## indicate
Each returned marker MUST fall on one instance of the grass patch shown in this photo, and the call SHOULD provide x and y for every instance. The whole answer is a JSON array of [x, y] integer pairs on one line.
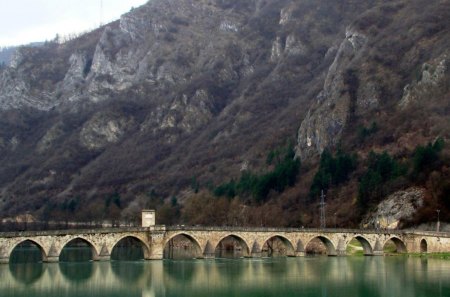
[[442, 256], [354, 248]]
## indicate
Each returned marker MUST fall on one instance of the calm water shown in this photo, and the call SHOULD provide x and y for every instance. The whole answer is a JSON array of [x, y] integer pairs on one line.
[[308, 277]]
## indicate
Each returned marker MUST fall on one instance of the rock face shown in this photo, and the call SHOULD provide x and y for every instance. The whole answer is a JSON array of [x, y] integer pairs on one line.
[[183, 89], [325, 122], [434, 79], [102, 130], [398, 206]]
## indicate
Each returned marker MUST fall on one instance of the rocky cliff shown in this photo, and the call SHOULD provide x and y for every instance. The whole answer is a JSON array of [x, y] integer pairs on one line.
[[177, 91]]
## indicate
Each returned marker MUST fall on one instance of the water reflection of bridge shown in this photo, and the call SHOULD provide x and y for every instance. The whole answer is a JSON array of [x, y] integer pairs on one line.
[[156, 277], [253, 242]]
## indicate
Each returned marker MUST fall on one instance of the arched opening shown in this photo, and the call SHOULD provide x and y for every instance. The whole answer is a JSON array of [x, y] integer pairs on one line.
[[129, 249], [359, 246], [423, 246], [27, 252], [394, 246], [278, 246], [232, 247], [26, 262], [182, 246], [78, 250], [320, 246]]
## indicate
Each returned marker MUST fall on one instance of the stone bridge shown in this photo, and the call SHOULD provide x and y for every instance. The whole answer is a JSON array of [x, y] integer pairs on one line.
[[206, 240]]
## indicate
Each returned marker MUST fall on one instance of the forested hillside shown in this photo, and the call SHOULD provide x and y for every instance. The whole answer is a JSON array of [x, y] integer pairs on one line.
[[233, 112]]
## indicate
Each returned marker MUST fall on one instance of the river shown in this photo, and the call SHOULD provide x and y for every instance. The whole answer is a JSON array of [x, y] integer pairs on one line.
[[320, 276]]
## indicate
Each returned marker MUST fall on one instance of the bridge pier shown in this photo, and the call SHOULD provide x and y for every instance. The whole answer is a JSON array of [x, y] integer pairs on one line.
[[102, 258], [51, 259], [154, 256], [4, 260], [104, 255], [209, 256], [256, 255], [340, 253], [300, 254]]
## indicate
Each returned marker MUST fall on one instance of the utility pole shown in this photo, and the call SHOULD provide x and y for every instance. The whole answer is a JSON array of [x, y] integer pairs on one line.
[[322, 211]]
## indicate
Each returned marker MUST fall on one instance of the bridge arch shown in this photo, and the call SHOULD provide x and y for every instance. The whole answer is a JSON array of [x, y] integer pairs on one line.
[[329, 245], [399, 244], [80, 239], [143, 244], [169, 245], [242, 242], [28, 241], [269, 243], [423, 246], [367, 247]]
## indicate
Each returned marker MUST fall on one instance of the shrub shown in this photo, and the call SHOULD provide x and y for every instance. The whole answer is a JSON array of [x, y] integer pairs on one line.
[[364, 132], [381, 169], [282, 176], [332, 171], [425, 158]]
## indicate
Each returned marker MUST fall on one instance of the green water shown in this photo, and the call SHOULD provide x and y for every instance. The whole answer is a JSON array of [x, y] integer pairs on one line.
[[309, 277]]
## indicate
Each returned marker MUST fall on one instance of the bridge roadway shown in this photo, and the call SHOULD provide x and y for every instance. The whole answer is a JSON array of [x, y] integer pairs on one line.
[[207, 239]]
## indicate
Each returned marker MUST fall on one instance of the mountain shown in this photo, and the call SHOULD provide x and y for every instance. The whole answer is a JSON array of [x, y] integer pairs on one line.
[[176, 98], [6, 54]]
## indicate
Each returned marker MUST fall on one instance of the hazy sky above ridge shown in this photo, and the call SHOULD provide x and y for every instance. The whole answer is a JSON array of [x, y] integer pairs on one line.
[[26, 21]]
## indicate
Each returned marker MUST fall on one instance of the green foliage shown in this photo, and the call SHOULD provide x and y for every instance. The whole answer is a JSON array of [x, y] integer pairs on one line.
[[426, 157], [364, 132], [282, 176], [195, 185], [227, 189], [70, 205], [113, 199], [381, 168], [332, 171]]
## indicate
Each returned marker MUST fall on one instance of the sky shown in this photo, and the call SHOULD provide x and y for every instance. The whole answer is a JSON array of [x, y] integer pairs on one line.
[[26, 21]]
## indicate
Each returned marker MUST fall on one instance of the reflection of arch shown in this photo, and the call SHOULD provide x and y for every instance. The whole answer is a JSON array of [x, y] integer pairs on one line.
[[177, 250], [224, 245], [423, 246], [288, 249], [174, 271], [27, 273], [77, 272], [128, 272], [134, 248], [367, 247], [399, 244], [82, 255], [331, 250], [41, 256]]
